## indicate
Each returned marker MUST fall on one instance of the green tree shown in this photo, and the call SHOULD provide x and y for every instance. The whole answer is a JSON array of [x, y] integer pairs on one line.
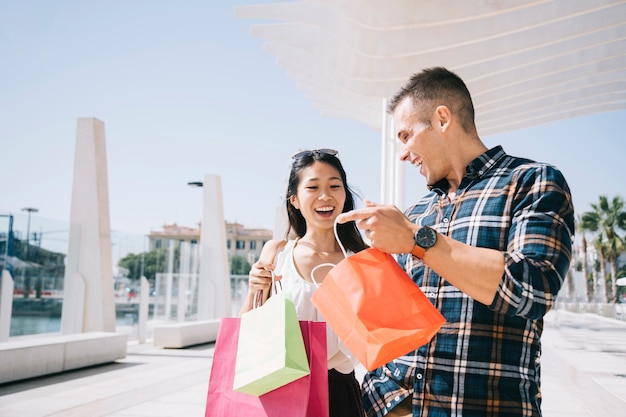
[[607, 218], [132, 263], [150, 263], [155, 261], [239, 265]]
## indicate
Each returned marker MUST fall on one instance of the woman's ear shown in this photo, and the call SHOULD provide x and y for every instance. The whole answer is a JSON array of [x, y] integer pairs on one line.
[[294, 202]]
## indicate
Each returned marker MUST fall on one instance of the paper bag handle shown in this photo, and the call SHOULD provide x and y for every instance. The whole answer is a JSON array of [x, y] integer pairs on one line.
[[345, 254], [258, 297], [315, 269]]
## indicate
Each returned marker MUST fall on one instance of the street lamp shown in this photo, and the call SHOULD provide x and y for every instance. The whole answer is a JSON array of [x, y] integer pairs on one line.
[[29, 210], [196, 184]]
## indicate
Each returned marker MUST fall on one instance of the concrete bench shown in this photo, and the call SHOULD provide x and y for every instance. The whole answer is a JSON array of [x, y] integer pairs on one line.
[[189, 333], [32, 357]]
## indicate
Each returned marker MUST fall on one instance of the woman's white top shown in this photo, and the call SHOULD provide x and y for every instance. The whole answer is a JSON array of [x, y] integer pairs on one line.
[[339, 357]]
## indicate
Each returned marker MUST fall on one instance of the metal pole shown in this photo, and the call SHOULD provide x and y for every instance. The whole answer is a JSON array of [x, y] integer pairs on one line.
[[29, 210]]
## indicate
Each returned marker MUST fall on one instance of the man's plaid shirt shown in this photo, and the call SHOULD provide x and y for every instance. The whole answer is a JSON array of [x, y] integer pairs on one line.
[[485, 361]]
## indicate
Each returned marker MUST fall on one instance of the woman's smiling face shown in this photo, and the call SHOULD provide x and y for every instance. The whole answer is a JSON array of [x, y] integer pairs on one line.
[[321, 195]]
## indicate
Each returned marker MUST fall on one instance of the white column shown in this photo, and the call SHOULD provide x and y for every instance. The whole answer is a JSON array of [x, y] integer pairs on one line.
[[193, 277], [183, 282], [89, 251], [384, 157], [392, 173], [169, 279], [281, 223], [144, 303], [6, 305], [214, 299], [398, 192]]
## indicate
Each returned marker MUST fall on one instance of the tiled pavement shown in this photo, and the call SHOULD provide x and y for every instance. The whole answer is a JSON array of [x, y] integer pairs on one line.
[[583, 365]]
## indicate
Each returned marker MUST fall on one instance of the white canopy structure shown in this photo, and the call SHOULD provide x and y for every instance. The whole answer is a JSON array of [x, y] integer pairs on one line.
[[526, 62]]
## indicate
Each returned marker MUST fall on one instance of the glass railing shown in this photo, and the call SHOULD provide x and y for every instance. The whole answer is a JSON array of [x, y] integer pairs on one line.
[[33, 249]]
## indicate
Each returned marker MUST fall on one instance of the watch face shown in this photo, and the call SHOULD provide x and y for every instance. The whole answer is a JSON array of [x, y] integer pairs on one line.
[[426, 237]]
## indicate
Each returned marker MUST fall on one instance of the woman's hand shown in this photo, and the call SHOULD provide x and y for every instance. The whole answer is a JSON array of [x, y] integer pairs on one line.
[[260, 277]]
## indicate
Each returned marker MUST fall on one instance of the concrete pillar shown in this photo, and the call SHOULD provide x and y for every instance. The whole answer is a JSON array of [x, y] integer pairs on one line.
[[169, 279], [88, 303], [183, 278], [392, 172], [281, 223], [384, 157], [214, 299], [144, 304], [6, 305]]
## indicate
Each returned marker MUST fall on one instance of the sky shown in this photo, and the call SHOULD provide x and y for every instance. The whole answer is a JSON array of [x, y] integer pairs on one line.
[[185, 90]]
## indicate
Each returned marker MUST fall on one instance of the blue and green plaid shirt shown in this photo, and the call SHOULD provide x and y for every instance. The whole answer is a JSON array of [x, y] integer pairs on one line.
[[485, 361]]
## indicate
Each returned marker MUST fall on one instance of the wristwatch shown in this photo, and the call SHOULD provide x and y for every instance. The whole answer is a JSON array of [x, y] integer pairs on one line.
[[425, 238]]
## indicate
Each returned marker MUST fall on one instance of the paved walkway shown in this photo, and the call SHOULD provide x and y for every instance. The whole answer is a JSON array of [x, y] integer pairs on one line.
[[584, 366], [584, 375]]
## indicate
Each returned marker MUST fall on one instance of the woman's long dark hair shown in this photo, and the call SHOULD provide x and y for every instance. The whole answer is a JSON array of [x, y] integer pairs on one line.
[[348, 232]]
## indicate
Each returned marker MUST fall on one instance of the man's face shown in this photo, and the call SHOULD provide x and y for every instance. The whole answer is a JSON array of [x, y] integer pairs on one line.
[[422, 144]]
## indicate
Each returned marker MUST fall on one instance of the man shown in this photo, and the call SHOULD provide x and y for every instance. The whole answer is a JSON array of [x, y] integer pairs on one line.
[[490, 245]]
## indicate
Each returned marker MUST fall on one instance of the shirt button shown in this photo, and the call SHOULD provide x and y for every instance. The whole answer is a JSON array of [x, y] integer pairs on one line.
[[388, 405], [431, 294], [480, 173], [397, 398], [418, 376], [445, 220]]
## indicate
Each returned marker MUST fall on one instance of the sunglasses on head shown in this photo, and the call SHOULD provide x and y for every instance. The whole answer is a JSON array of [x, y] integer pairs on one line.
[[315, 153]]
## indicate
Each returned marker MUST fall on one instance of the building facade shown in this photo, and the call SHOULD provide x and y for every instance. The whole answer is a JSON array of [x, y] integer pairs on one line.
[[240, 241]]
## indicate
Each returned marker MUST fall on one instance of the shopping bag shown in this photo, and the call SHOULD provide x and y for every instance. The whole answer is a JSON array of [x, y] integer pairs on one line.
[[270, 351], [314, 335], [306, 396], [375, 308]]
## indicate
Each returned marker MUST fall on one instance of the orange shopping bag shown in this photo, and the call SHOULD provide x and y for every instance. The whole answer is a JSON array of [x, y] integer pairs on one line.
[[375, 308]]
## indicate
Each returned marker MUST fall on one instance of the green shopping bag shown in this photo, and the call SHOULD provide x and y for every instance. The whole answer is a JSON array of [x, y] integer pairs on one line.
[[270, 350]]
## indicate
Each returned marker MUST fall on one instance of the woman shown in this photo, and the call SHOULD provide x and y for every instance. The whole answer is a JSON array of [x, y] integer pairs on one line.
[[317, 193]]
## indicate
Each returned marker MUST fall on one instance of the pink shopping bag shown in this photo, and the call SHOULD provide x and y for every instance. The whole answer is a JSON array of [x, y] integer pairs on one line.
[[306, 396]]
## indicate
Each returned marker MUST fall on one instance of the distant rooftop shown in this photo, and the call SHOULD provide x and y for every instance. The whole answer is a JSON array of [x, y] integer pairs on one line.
[[174, 231]]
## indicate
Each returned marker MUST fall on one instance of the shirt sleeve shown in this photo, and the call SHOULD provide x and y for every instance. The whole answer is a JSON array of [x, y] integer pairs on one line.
[[539, 243]]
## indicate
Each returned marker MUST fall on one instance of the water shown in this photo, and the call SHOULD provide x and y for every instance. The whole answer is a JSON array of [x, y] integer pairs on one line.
[[30, 325], [25, 325]]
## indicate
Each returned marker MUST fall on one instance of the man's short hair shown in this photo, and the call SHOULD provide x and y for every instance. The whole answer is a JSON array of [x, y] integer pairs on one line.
[[433, 87]]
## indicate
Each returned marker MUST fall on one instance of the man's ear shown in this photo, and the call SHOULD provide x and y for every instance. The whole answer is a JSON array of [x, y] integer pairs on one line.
[[443, 116]]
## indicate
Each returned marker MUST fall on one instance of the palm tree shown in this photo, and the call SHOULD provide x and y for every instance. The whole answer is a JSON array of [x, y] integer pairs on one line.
[[570, 288], [621, 272], [582, 227], [600, 245], [616, 246], [607, 218]]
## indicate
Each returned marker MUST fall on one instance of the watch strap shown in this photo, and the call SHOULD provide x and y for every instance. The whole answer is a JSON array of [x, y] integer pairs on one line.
[[418, 251]]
